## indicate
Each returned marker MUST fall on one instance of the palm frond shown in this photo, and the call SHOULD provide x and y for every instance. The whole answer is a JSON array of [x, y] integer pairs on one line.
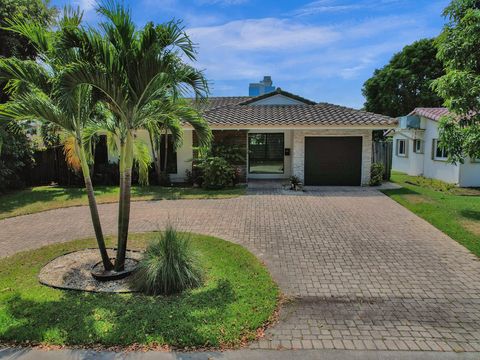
[[70, 149], [34, 106], [33, 31], [25, 73], [143, 158]]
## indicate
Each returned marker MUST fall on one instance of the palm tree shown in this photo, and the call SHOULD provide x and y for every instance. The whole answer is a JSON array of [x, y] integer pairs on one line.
[[168, 121], [133, 68], [36, 97]]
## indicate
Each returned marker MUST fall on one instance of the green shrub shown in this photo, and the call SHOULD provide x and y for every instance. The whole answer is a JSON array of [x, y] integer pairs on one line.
[[217, 173], [169, 265], [376, 174], [16, 158]]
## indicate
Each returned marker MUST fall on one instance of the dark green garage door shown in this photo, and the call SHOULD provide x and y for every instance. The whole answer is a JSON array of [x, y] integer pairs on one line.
[[333, 160]]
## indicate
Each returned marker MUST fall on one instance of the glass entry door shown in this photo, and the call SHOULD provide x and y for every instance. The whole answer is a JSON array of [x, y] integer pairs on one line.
[[266, 153]]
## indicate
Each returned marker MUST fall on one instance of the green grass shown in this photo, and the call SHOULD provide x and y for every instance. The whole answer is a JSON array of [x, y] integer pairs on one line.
[[47, 197], [455, 211], [237, 298]]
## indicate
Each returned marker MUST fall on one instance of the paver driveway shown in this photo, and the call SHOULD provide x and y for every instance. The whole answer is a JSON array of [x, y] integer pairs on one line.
[[366, 273]]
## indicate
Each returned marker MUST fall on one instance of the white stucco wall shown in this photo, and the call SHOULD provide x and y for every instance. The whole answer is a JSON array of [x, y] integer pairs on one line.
[[299, 148], [288, 144], [469, 174], [412, 163], [425, 164], [437, 169], [184, 153]]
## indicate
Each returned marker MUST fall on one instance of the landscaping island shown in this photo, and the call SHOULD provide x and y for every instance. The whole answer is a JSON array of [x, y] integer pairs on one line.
[[237, 299]]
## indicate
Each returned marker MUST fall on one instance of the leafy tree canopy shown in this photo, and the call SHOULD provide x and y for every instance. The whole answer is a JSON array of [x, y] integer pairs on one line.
[[15, 148], [405, 82], [38, 11], [459, 50]]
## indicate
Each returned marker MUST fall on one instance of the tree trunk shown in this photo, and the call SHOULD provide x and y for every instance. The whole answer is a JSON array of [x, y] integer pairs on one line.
[[97, 226], [166, 151], [156, 156], [126, 164]]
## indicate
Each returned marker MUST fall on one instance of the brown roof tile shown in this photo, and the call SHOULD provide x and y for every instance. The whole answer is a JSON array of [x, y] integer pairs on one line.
[[322, 114], [430, 113]]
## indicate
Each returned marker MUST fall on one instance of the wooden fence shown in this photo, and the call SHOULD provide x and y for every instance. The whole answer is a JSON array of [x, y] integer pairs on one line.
[[382, 153], [50, 167]]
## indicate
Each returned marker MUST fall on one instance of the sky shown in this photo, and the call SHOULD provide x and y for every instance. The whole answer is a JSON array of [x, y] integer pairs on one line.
[[322, 50]]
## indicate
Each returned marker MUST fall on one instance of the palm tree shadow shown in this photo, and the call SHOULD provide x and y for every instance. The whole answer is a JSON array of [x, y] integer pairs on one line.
[[111, 319], [471, 214]]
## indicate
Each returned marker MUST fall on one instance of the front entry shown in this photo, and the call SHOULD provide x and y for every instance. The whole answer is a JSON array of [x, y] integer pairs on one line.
[[333, 160]]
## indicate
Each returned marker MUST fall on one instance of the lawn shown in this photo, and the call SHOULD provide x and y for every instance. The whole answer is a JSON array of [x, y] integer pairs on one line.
[[455, 211], [49, 197], [237, 298]]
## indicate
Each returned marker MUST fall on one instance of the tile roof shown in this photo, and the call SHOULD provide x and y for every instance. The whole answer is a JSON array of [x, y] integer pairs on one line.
[[431, 113], [322, 114], [278, 91], [213, 102], [237, 111]]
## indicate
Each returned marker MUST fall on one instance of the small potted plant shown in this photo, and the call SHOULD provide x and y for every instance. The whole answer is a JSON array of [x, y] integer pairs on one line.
[[295, 183]]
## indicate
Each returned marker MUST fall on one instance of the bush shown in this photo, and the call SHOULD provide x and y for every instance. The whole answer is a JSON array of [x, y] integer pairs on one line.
[[16, 158], [376, 174], [169, 265], [217, 173]]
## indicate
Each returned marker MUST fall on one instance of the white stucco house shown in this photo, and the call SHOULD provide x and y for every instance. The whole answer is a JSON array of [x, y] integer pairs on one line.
[[283, 134], [416, 150]]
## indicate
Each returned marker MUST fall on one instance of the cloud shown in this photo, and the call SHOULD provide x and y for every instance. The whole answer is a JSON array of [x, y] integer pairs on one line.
[[313, 60], [325, 6], [263, 34], [85, 5]]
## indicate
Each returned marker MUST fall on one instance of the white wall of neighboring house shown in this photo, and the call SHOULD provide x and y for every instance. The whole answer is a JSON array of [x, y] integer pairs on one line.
[[426, 164], [470, 173], [411, 163], [434, 168]]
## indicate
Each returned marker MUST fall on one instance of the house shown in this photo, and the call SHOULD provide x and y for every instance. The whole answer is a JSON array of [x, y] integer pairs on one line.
[[416, 150], [282, 134]]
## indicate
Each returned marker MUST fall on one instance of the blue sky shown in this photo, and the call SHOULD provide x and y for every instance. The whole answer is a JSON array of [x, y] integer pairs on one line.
[[323, 50]]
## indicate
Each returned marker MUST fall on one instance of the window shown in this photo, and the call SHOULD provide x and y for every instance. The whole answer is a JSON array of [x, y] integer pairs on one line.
[[402, 147], [418, 146], [439, 153], [265, 153]]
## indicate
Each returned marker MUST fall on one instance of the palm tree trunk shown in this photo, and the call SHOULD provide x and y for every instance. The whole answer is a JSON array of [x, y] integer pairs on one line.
[[166, 151], [97, 226], [156, 156], [126, 164]]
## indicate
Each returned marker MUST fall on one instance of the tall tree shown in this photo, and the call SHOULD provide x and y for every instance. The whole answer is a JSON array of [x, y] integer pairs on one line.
[[36, 96], [405, 82], [459, 50], [133, 68], [15, 149]]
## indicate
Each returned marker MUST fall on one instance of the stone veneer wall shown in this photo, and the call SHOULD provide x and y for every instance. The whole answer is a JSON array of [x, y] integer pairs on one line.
[[299, 149]]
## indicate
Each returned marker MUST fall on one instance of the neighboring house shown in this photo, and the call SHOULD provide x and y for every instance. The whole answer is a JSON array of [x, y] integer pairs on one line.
[[282, 134], [416, 150]]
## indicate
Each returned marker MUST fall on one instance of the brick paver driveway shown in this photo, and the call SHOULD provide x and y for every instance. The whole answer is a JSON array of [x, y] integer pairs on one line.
[[365, 272]]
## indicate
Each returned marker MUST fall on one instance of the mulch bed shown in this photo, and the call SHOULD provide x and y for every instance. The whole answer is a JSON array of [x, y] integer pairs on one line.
[[72, 271]]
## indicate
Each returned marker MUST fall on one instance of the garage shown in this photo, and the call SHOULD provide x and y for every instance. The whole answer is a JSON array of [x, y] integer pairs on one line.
[[333, 160]]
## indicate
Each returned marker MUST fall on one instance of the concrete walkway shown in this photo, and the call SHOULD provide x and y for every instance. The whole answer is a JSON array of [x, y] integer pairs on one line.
[[365, 273]]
